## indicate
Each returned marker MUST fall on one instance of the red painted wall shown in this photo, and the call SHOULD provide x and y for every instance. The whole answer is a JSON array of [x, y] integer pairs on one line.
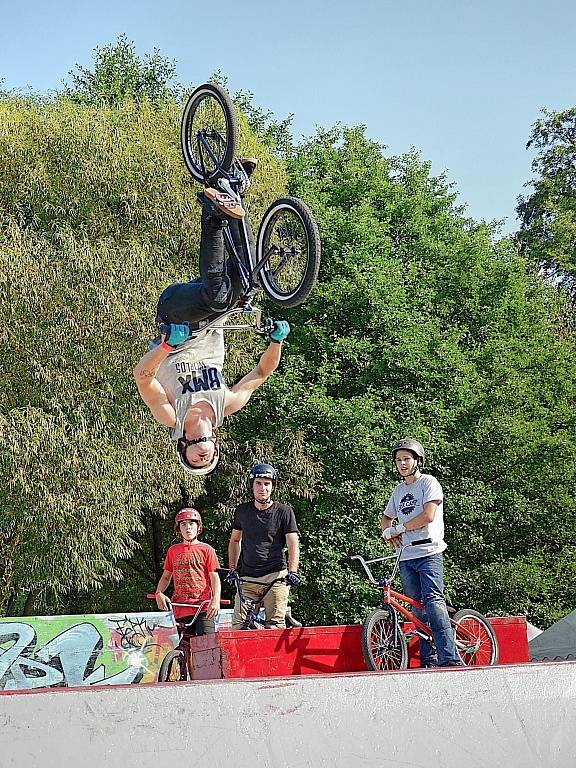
[[315, 650]]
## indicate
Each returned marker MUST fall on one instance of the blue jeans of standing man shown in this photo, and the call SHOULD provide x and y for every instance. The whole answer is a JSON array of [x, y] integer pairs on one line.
[[423, 580]]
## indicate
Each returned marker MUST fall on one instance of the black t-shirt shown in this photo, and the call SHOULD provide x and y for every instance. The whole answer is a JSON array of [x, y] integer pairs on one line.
[[263, 537]]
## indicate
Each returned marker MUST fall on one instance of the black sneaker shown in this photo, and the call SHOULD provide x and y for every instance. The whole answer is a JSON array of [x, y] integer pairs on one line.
[[249, 164]]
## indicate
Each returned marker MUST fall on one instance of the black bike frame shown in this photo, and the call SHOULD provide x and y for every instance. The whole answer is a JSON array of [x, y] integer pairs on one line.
[[250, 271], [249, 602]]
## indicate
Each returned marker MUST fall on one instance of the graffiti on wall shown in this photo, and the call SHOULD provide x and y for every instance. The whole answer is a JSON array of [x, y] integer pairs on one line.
[[70, 651]]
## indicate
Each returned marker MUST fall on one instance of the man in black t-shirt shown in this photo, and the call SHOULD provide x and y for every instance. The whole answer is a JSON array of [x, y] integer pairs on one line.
[[261, 530]]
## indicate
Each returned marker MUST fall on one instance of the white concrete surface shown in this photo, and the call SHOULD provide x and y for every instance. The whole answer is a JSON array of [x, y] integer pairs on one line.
[[500, 716]]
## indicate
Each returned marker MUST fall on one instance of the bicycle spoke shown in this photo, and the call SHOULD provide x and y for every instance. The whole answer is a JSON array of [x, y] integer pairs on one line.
[[208, 127], [475, 640], [287, 249], [208, 133], [384, 648], [210, 145]]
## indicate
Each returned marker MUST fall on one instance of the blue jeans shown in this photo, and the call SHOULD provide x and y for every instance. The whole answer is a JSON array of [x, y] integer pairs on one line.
[[422, 579]]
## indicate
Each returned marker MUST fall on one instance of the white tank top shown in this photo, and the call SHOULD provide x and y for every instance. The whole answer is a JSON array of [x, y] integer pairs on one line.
[[194, 374]]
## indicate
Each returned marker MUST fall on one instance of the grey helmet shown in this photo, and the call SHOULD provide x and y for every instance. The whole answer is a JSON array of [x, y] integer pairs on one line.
[[408, 444]]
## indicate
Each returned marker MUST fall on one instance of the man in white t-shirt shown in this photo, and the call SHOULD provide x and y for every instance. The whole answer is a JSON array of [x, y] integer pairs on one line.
[[417, 506]]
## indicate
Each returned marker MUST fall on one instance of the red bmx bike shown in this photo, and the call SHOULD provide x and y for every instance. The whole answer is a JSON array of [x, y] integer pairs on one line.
[[387, 631], [177, 664]]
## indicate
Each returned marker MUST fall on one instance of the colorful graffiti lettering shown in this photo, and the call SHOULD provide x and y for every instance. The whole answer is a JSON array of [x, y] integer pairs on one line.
[[75, 651]]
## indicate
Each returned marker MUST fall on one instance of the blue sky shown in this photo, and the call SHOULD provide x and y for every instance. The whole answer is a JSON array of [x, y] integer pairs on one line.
[[461, 81]]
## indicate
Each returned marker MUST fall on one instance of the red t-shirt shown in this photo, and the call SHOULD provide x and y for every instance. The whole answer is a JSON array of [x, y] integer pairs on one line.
[[190, 565]]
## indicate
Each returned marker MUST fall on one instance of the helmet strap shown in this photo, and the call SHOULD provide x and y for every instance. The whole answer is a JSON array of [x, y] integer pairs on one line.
[[196, 440]]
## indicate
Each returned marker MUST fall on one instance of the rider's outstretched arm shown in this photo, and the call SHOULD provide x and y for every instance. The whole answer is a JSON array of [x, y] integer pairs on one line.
[[241, 392], [150, 389]]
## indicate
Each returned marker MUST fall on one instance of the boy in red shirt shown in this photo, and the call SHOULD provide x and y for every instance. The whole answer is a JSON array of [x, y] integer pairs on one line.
[[193, 566]]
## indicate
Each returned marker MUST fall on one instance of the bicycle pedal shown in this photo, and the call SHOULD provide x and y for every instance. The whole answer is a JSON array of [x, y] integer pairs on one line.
[[225, 185]]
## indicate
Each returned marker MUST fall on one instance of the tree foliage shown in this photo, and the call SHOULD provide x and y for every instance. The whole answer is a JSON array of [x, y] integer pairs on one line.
[[548, 214], [119, 73], [420, 325]]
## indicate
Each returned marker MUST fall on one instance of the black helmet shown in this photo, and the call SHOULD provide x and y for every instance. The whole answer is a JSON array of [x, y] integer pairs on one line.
[[264, 470], [408, 444]]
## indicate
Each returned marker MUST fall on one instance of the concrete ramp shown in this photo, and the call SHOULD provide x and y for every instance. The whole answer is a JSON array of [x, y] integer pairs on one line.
[[509, 716]]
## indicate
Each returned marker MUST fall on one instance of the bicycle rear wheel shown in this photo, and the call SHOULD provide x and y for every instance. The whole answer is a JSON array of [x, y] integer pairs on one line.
[[208, 133], [475, 639], [383, 642], [174, 667], [289, 240]]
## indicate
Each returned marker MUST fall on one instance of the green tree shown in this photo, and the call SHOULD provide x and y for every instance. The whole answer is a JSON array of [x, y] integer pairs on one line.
[[119, 73], [97, 216], [421, 325], [548, 214]]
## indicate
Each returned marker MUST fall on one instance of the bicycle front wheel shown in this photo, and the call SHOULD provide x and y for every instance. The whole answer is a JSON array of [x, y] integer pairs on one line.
[[383, 642], [174, 667], [475, 639], [208, 133], [289, 241]]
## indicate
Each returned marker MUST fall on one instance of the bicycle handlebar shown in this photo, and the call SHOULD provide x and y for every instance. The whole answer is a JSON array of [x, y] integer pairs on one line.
[[396, 557], [238, 581], [152, 596]]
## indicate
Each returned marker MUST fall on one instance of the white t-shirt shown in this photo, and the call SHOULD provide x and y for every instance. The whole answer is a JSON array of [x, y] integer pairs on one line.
[[407, 502]]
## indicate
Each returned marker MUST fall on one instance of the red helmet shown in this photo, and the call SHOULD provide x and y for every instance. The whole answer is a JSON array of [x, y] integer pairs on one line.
[[188, 513]]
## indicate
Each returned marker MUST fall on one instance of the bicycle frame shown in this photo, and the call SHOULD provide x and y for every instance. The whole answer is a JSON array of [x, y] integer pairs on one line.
[[396, 599], [249, 602], [232, 183], [185, 636]]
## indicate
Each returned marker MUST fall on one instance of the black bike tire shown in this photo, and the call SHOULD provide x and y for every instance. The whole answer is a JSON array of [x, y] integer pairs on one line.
[[481, 621], [176, 656], [309, 275], [377, 619], [206, 91]]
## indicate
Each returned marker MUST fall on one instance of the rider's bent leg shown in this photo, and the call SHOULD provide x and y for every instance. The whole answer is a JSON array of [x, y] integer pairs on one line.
[[216, 283], [200, 298]]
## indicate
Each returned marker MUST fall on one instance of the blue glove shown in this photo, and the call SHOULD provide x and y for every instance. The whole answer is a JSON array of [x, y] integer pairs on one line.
[[232, 577], [280, 331], [292, 579], [174, 334]]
